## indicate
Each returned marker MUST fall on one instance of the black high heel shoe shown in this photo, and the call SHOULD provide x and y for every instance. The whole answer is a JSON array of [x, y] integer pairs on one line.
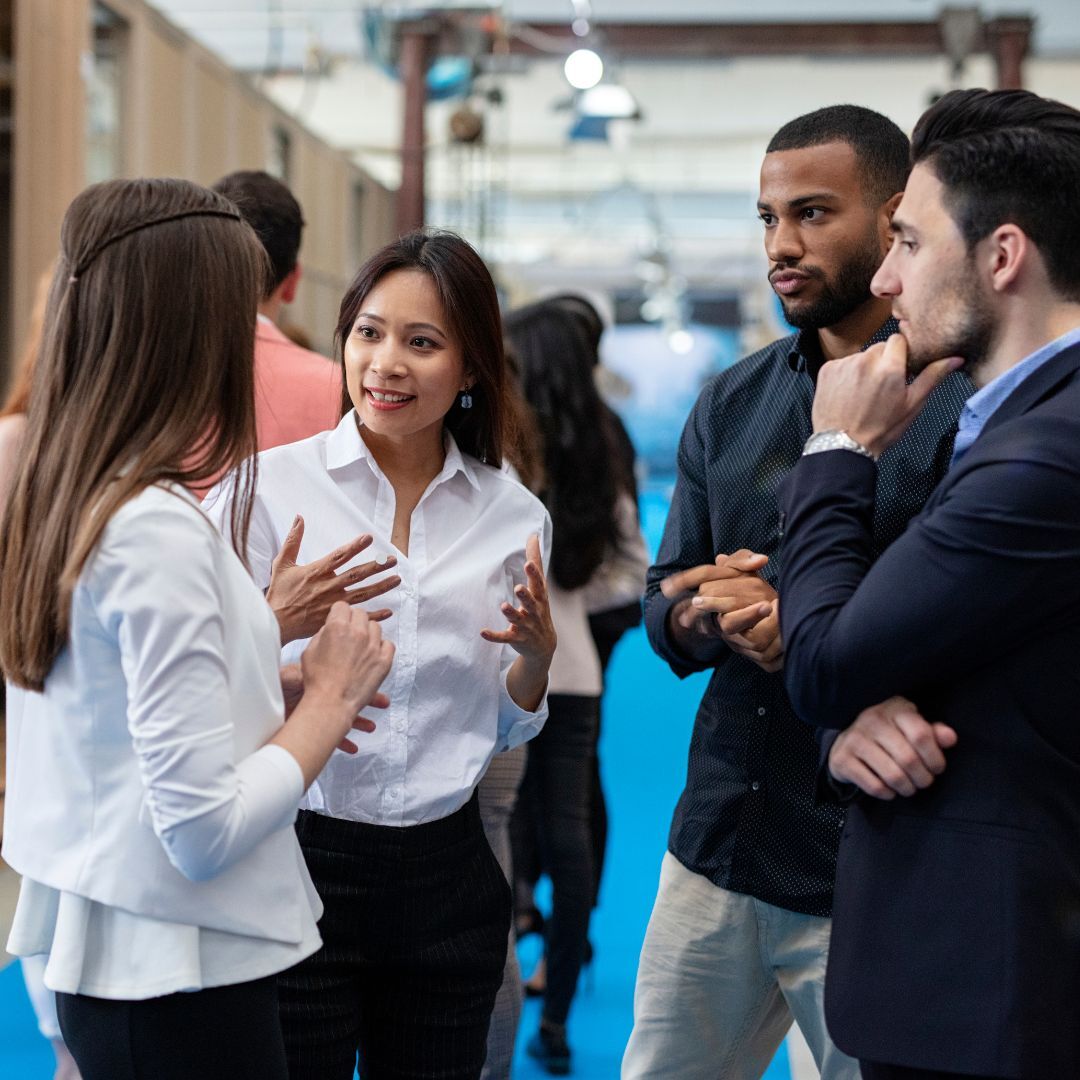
[[549, 1047]]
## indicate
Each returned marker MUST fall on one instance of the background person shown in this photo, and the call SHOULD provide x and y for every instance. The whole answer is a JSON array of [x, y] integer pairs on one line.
[[581, 494], [152, 783], [614, 595], [497, 792], [417, 907], [297, 392]]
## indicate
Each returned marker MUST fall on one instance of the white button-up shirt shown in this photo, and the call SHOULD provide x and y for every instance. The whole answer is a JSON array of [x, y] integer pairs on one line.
[[450, 710]]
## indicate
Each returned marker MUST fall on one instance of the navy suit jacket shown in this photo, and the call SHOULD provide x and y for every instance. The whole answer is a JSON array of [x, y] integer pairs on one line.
[[956, 933]]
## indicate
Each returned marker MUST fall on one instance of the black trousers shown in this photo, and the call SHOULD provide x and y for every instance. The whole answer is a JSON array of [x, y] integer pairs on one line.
[[875, 1070], [554, 808], [414, 934], [607, 629], [224, 1033]]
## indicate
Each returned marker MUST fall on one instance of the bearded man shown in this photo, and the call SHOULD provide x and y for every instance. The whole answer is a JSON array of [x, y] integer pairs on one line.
[[737, 943]]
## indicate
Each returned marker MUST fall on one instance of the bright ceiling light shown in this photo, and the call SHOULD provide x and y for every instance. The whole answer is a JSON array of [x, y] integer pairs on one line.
[[584, 69], [609, 100], [681, 342]]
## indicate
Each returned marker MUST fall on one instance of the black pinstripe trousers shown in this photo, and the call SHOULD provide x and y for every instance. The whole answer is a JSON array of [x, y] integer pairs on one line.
[[414, 941]]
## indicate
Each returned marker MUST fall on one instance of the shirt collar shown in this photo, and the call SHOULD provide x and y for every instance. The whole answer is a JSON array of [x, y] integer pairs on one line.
[[806, 354], [268, 329], [984, 403], [344, 446]]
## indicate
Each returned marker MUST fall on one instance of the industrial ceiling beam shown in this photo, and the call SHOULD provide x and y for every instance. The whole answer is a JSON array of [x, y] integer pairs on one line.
[[1006, 39]]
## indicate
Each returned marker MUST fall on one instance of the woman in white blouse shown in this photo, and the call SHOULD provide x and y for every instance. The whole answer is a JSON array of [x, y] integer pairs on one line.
[[151, 781], [417, 910]]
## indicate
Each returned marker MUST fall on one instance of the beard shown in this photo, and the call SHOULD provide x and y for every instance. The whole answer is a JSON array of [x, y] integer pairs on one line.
[[840, 295], [960, 324]]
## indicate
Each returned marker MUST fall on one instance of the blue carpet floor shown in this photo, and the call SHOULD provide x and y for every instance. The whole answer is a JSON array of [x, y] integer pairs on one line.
[[648, 714]]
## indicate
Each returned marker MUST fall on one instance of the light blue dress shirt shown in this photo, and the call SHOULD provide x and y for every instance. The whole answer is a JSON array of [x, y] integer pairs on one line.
[[982, 405]]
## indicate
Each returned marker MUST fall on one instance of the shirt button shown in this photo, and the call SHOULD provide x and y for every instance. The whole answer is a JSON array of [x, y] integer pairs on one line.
[[755, 786], [393, 793], [399, 726], [761, 710]]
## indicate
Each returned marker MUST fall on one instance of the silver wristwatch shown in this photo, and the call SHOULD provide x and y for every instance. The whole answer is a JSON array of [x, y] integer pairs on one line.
[[821, 441]]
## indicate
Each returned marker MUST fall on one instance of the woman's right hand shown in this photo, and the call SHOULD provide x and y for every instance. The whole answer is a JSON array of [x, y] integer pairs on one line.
[[301, 596], [342, 667], [347, 660]]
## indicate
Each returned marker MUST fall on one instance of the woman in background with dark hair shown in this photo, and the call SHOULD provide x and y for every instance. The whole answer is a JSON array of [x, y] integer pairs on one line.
[[614, 595], [580, 492], [417, 908]]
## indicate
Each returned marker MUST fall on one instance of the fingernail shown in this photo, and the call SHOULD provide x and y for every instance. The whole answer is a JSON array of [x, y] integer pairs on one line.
[[697, 601]]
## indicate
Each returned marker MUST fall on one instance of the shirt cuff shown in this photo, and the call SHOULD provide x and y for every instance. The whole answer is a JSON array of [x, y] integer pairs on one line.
[[518, 725], [657, 608]]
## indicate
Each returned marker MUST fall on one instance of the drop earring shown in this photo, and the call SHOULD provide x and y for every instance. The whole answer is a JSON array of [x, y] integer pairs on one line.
[[466, 399]]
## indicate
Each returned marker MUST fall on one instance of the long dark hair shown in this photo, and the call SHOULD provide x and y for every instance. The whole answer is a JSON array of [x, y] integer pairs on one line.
[[144, 376], [471, 304], [557, 361]]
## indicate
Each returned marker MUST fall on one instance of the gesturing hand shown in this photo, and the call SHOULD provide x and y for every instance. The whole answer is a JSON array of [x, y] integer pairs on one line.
[[292, 690], [345, 663], [868, 395], [531, 632], [301, 596], [891, 750]]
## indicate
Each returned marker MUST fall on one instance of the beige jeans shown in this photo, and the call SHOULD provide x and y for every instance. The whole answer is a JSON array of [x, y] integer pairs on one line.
[[720, 980]]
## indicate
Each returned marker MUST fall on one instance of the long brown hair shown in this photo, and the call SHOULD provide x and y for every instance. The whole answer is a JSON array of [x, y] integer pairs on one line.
[[144, 376], [471, 304]]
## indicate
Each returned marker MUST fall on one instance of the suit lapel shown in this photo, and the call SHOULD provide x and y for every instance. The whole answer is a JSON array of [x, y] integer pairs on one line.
[[1039, 385]]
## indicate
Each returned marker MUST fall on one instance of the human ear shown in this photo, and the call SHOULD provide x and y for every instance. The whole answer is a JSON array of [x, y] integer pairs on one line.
[[885, 216], [1008, 254], [287, 289]]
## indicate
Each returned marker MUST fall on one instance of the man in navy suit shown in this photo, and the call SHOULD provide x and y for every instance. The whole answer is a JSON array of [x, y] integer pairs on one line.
[[956, 934]]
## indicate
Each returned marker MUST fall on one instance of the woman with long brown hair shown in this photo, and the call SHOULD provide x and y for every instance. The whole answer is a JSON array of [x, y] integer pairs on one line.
[[152, 782], [417, 908]]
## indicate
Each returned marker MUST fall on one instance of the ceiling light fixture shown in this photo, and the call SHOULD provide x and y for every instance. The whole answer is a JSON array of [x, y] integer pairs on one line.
[[583, 69]]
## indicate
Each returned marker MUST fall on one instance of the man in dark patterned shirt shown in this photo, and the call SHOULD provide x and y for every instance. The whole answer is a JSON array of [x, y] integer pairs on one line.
[[738, 939]]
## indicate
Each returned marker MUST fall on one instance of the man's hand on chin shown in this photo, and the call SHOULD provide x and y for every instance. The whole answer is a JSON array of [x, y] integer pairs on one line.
[[868, 395]]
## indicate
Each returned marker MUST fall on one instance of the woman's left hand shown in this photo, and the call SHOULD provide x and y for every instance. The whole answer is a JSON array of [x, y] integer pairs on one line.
[[531, 632]]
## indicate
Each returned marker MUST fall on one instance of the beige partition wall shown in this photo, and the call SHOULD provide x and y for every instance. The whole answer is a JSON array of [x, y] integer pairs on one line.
[[116, 76], [48, 145]]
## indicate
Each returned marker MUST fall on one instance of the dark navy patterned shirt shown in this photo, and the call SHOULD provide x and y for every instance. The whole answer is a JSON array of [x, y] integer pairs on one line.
[[750, 818]]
